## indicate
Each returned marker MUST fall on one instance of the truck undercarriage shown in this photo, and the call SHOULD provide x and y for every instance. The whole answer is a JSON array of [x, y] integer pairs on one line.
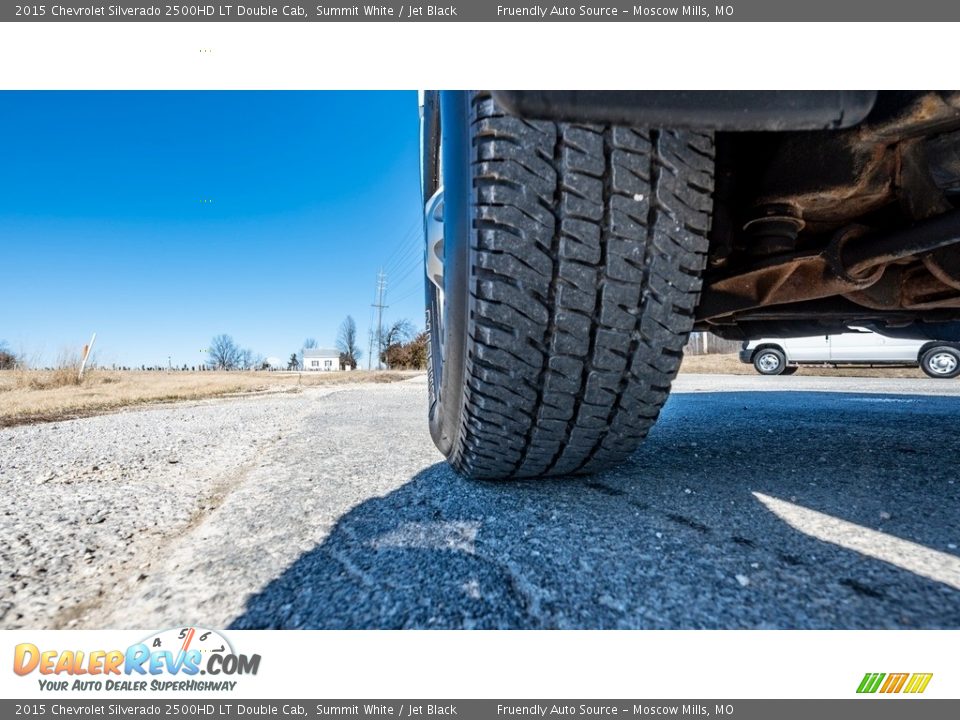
[[575, 238], [831, 209]]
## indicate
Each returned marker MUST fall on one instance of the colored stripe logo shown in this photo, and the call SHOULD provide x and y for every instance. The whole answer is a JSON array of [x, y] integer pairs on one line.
[[913, 683]]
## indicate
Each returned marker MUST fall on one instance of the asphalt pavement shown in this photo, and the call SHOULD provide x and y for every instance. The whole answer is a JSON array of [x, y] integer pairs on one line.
[[793, 502]]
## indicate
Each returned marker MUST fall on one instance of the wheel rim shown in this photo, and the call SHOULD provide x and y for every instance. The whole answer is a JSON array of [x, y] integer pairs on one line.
[[768, 362], [942, 363], [433, 230]]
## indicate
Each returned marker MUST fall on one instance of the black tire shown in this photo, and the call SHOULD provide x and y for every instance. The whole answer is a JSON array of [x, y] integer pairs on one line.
[[941, 362], [770, 361], [573, 257], [790, 370]]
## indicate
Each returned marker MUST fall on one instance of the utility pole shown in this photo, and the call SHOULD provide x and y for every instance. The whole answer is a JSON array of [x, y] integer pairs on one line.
[[370, 351], [381, 289], [370, 334]]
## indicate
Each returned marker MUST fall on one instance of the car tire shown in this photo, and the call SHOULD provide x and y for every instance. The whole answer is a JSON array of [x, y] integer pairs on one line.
[[770, 361], [572, 261], [941, 362]]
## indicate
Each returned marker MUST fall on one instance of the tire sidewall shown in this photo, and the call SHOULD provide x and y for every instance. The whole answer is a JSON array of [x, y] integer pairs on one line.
[[430, 183], [449, 339]]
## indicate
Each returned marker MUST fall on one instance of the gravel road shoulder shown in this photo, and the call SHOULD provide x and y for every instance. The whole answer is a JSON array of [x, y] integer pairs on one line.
[[755, 502]]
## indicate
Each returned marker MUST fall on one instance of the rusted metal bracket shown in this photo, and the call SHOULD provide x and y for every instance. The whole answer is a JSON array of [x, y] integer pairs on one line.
[[854, 260]]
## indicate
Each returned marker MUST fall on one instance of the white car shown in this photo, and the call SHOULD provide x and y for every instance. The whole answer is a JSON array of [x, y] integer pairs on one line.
[[781, 356]]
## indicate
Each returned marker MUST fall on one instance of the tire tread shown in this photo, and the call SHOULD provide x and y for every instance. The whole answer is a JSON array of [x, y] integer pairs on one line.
[[588, 247]]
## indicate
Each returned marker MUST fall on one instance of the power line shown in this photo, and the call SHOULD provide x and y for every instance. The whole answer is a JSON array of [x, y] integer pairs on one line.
[[409, 242], [410, 294], [413, 252], [399, 245], [407, 281], [405, 258], [417, 266]]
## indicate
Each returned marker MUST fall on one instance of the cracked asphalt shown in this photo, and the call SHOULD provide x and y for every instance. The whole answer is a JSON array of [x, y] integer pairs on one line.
[[797, 502]]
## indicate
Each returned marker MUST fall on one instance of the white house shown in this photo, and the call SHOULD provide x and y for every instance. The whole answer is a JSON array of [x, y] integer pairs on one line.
[[324, 359]]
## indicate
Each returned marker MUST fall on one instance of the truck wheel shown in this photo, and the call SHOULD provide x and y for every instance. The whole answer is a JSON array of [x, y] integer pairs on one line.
[[563, 268], [942, 362], [770, 361]]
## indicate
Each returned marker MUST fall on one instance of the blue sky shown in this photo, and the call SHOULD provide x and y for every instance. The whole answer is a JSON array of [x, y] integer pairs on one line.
[[159, 219]]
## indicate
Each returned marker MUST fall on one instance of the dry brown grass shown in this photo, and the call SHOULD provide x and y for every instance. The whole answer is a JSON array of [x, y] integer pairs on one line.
[[47, 379], [28, 396], [731, 365]]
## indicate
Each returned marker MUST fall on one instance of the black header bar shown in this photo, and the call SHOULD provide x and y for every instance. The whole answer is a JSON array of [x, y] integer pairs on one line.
[[484, 11]]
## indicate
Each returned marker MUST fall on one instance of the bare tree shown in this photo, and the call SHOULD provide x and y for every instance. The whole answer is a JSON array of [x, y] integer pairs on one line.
[[8, 360], [393, 336], [224, 353], [399, 332], [246, 359], [308, 344], [350, 352]]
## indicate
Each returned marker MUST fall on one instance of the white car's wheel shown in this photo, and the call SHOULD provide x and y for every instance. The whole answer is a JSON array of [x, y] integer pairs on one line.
[[769, 361], [942, 362]]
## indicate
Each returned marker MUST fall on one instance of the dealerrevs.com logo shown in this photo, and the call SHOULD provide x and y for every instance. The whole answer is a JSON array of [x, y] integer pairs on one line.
[[911, 683], [168, 660]]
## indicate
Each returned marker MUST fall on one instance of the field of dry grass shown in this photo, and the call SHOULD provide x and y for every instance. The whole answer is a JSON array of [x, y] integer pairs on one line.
[[28, 396], [731, 365]]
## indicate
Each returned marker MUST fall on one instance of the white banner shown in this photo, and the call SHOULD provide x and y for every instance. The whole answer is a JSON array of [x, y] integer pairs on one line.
[[479, 664]]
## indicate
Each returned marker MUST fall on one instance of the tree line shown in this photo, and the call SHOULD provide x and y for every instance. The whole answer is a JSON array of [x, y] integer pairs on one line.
[[400, 347], [8, 360]]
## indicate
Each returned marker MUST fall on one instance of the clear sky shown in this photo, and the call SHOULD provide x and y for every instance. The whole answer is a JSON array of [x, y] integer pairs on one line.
[[159, 219]]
